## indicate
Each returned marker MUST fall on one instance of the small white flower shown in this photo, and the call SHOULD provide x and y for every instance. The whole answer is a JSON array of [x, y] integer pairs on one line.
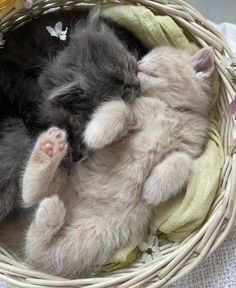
[[229, 64], [150, 249], [2, 41], [57, 31], [28, 3]]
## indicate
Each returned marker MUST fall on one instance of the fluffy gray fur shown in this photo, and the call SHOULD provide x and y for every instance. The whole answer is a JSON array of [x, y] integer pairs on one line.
[[95, 67]]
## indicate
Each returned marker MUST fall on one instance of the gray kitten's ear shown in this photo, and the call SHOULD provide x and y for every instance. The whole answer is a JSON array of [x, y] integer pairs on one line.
[[93, 21], [203, 62], [94, 15]]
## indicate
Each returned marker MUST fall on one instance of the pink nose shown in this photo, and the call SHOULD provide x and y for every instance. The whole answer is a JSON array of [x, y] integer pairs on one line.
[[138, 65]]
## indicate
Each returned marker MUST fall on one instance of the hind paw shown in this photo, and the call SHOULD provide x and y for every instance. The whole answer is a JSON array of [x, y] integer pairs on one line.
[[51, 212]]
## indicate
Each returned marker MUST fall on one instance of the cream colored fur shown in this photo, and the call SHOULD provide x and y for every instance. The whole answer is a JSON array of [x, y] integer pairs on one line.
[[143, 155]]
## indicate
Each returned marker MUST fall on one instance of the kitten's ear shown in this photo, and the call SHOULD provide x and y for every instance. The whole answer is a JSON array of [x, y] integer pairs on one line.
[[203, 62], [64, 93], [94, 15]]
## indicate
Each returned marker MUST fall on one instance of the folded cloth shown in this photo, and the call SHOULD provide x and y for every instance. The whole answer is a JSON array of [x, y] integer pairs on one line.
[[181, 215]]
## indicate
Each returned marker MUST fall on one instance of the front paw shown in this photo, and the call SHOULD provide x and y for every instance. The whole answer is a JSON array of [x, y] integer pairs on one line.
[[108, 123], [155, 191], [153, 195], [95, 136], [51, 145]]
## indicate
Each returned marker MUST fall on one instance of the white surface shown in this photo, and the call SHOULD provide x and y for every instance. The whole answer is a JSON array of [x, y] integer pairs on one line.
[[4, 285], [219, 270], [229, 32]]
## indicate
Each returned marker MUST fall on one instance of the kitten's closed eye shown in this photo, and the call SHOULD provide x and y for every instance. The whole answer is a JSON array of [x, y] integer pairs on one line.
[[147, 69]]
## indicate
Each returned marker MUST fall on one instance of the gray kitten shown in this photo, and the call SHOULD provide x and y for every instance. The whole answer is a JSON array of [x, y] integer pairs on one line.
[[93, 68]]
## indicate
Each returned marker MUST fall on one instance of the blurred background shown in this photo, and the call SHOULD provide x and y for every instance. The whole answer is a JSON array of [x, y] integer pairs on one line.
[[217, 11]]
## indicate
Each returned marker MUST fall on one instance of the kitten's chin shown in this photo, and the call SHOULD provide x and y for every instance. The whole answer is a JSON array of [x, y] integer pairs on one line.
[[143, 79], [143, 76]]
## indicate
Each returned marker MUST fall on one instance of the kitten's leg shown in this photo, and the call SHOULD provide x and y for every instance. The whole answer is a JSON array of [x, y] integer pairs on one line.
[[109, 122], [50, 217], [167, 178], [39, 177], [64, 250]]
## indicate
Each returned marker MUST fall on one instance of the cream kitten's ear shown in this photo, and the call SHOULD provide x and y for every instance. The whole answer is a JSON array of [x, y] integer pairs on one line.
[[203, 62]]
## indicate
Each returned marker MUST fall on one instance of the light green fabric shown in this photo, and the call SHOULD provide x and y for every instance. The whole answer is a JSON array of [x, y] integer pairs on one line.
[[121, 258], [151, 30], [181, 215]]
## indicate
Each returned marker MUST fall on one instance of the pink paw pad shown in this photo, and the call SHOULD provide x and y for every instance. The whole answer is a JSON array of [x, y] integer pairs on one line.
[[54, 141], [47, 148]]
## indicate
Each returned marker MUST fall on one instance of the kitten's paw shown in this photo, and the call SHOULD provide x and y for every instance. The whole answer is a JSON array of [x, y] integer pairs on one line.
[[153, 195], [52, 144], [29, 200], [107, 123], [94, 136], [167, 178], [51, 212]]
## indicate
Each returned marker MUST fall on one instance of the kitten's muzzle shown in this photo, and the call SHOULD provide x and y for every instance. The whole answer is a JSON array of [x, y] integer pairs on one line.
[[142, 68]]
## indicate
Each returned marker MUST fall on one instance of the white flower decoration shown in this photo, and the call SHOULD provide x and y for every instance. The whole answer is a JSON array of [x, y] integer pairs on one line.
[[2, 41], [150, 249], [28, 3], [57, 31], [229, 64]]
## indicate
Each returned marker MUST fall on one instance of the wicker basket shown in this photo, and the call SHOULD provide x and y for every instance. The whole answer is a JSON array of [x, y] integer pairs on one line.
[[178, 259]]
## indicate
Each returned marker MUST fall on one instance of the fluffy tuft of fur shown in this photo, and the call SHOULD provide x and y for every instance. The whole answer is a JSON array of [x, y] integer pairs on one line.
[[143, 154]]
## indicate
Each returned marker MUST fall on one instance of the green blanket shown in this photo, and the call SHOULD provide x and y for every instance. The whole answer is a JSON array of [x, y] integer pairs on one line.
[[182, 214]]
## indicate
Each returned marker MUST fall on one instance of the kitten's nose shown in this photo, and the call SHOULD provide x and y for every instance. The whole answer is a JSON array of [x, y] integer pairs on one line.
[[138, 66]]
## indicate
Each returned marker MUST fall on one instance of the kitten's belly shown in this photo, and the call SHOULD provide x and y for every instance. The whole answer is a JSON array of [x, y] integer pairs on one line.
[[113, 197], [126, 221], [118, 178]]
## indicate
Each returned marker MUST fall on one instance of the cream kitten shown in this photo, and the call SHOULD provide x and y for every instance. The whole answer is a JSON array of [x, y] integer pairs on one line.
[[143, 154]]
